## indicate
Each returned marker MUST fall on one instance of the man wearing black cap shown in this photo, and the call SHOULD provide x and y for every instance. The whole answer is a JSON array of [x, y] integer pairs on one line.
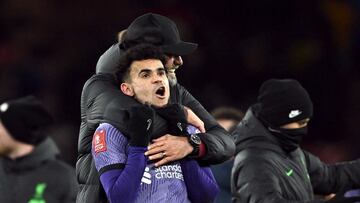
[[270, 166], [101, 101], [29, 169]]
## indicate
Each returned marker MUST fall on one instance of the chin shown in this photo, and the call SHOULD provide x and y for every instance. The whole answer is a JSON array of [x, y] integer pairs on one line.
[[160, 104]]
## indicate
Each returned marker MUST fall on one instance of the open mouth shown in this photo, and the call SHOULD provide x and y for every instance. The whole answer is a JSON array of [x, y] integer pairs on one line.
[[160, 92]]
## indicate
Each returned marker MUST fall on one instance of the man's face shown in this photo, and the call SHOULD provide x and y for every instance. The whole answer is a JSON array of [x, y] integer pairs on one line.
[[148, 82], [172, 63], [6, 141]]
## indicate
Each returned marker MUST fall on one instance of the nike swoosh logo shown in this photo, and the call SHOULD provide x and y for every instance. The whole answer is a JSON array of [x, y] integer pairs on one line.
[[294, 113], [289, 173]]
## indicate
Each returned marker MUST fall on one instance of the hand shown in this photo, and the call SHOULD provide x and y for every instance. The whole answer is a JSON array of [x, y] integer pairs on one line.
[[140, 125], [194, 120], [168, 148], [175, 115]]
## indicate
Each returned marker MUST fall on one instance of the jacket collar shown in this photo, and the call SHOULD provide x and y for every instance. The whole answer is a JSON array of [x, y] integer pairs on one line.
[[46, 150], [251, 133]]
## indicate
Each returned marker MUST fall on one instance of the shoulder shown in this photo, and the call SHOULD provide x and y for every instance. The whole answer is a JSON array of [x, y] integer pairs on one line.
[[106, 126], [101, 80], [108, 135], [108, 61], [179, 89], [107, 130], [100, 87], [179, 93]]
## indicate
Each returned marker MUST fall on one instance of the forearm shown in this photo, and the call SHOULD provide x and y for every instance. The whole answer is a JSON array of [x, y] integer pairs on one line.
[[332, 178], [218, 144], [200, 182], [347, 174], [122, 185]]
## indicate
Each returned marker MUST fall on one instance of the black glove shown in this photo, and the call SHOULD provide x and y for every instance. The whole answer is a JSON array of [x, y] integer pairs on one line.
[[175, 116], [140, 125]]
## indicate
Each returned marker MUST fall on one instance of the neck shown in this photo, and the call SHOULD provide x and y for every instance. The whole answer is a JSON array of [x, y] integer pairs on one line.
[[172, 77], [20, 150]]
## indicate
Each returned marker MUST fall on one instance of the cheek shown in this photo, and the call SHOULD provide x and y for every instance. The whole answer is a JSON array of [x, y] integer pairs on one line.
[[140, 88], [169, 63], [3, 144], [143, 92]]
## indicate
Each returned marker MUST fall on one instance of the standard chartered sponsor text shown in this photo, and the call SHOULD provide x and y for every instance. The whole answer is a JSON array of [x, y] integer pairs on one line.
[[169, 171]]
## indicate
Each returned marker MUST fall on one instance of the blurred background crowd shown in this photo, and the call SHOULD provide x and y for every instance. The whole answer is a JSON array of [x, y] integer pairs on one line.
[[50, 48]]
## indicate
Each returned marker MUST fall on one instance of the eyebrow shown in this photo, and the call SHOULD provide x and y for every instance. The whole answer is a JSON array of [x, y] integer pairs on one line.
[[146, 70]]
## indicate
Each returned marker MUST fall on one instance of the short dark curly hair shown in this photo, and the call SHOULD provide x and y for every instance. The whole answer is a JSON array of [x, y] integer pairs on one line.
[[137, 53]]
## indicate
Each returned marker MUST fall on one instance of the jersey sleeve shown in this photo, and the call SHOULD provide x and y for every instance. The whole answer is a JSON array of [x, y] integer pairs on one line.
[[109, 148]]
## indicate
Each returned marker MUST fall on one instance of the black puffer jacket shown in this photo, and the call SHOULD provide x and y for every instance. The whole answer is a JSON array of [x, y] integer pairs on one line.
[[264, 173], [102, 101], [37, 177]]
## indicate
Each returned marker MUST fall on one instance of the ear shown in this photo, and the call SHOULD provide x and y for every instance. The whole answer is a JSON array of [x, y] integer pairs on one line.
[[127, 89]]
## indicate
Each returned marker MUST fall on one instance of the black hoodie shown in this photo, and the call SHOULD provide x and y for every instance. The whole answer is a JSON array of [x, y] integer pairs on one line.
[[263, 172], [39, 175]]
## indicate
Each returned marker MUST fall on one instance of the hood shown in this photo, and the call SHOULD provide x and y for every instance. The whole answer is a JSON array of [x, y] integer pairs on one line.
[[251, 133], [46, 150]]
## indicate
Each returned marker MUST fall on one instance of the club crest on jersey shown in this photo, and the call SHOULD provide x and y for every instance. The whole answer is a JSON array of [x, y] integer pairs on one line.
[[99, 141]]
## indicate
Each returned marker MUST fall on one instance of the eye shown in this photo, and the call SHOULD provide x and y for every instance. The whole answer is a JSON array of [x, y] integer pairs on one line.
[[303, 123], [162, 72], [144, 75]]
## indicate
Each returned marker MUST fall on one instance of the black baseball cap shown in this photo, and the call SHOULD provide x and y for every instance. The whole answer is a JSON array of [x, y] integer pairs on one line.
[[157, 30]]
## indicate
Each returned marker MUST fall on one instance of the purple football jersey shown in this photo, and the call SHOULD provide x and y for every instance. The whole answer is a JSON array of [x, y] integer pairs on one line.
[[158, 184]]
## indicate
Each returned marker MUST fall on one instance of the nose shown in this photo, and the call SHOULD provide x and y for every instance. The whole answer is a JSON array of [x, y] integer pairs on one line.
[[178, 60], [157, 78]]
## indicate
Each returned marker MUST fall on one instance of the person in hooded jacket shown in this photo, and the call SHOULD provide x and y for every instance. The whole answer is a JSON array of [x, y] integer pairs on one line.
[[270, 166], [101, 101], [29, 168]]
